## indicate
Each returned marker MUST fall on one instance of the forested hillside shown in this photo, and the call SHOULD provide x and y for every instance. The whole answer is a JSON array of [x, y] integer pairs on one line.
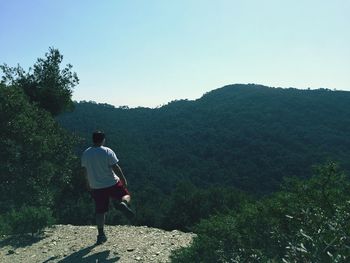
[[245, 136], [215, 166]]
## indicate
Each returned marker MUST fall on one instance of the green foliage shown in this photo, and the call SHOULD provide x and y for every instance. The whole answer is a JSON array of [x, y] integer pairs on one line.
[[74, 204], [36, 157], [245, 136], [321, 238], [188, 204], [309, 222], [27, 219], [47, 84], [149, 203], [76, 210], [184, 163]]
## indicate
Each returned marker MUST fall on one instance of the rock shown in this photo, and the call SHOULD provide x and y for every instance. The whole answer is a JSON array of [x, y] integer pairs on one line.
[[10, 252], [130, 249]]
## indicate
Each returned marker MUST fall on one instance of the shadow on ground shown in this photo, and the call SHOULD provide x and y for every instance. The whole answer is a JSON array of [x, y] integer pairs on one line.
[[18, 241], [79, 256]]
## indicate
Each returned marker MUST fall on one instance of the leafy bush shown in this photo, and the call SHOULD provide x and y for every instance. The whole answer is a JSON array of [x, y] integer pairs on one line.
[[27, 219], [308, 222]]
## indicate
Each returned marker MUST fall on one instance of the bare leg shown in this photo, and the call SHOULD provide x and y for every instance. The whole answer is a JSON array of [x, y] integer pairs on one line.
[[100, 222]]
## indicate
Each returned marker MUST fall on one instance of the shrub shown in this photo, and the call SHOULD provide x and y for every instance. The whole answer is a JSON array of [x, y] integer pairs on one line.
[[308, 222], [27, 219]]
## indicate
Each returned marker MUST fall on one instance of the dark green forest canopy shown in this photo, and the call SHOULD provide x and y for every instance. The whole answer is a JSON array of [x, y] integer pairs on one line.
[[247, 136]]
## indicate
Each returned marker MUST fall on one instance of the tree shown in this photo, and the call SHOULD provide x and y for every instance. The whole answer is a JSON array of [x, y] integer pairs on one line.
[[36, 155], [36, 158], [46, 84]]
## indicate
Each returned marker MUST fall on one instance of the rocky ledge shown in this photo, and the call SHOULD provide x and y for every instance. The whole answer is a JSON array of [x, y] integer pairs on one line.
[[67, 243]]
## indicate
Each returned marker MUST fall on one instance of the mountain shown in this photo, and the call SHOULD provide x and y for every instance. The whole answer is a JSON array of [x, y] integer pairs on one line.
[[246, 136]]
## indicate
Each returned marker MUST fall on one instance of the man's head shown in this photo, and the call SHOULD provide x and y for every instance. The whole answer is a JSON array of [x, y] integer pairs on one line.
[[98, 138]]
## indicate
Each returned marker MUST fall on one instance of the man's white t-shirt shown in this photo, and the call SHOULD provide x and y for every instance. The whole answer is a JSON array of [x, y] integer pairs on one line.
[[98, 162]]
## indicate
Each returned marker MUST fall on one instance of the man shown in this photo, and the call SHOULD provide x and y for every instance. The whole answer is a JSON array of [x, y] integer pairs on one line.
[[105, 180]]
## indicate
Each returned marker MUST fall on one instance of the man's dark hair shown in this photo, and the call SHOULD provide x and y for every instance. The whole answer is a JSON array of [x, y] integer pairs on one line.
[[98, 137]]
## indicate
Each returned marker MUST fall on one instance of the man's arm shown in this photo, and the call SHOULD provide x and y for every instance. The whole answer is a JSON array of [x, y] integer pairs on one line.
[[118, 171]]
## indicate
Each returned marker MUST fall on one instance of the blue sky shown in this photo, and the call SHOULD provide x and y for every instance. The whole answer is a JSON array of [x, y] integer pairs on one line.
[[147, 53]]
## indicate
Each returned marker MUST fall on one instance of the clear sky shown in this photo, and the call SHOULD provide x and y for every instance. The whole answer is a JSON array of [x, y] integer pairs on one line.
[[150, 52]]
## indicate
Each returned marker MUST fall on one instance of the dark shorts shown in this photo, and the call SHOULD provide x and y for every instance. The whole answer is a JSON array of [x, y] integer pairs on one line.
[[102, 196]]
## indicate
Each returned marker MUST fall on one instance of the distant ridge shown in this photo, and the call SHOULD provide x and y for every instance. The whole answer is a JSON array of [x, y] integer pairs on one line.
[[246, 136]]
